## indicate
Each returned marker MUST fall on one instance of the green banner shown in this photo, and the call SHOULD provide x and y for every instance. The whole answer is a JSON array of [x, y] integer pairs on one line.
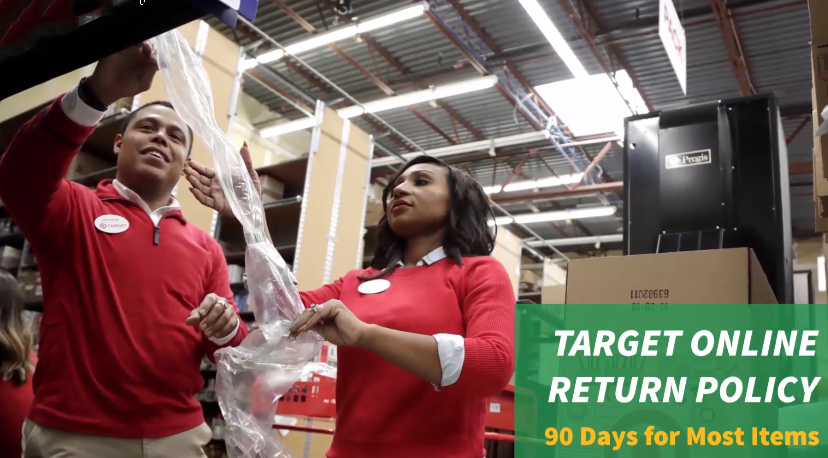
[[666, 380]]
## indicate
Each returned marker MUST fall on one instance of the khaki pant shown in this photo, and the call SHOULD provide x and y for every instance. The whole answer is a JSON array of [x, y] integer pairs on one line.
[[42, 442]]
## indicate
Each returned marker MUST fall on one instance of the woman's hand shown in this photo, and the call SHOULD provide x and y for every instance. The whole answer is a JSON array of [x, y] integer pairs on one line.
[[205, 186], [340, 326]]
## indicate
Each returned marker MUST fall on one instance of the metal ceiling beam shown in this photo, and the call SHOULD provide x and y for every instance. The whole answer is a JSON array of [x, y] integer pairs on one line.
[[801, 168], [798, 129], [529, 196], [693, 17], [733, 46]]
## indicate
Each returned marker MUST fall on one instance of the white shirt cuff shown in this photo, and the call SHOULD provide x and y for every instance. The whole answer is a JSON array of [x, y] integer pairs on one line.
[[78, 111], [228, 337], [452, 351]]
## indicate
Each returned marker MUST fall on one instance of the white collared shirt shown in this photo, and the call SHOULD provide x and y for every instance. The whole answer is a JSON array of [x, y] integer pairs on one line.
[[157, 214], [451, 348], [84, 115]]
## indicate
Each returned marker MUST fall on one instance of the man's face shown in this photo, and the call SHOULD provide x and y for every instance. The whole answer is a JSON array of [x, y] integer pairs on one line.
[[153, 149]]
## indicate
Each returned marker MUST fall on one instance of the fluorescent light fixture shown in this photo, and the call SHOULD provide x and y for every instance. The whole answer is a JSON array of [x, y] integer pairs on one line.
[[564, 215], [577, 240], [560, 180], [554, 37], [323, 39], [821, 274], [432, 93], [284, 128], [587, 106], [265, 58], [392, 18], [247, 64]]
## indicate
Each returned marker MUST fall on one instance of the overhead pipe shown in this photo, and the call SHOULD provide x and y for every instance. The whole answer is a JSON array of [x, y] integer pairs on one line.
[[594, 163]]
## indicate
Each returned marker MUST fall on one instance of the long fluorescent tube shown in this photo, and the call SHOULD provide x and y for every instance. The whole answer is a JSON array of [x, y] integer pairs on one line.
[[535, 184], [392, 18], [564, 215], [284, 128], [577, 240], [432, 93], [554, 37], [323, 39]]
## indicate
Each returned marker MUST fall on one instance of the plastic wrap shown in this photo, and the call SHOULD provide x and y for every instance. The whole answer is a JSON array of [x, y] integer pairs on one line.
[[252, 376]]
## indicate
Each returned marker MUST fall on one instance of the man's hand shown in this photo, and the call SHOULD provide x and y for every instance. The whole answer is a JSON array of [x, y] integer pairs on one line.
[[205, 186], [216, 318], [339, 325], [124, 74]]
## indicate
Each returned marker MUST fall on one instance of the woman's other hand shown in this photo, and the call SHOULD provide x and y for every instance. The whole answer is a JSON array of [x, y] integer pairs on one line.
[[334, 322], [205, 186]]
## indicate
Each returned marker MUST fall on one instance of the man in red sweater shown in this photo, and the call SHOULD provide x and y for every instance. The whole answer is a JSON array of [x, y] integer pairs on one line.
[[134, 295]]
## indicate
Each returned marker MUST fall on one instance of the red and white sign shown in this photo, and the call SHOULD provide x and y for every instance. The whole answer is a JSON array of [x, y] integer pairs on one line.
[[675, 43], [111, 224]]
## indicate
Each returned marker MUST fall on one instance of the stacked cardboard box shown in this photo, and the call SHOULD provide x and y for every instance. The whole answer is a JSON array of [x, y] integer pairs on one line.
[[818, 10], [819, 76], [730, 276]]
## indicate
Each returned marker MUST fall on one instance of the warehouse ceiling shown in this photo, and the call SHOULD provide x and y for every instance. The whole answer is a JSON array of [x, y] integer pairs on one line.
[[733, 48]]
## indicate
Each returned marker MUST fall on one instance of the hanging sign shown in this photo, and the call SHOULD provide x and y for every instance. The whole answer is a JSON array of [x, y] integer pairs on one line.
[[675, 43]]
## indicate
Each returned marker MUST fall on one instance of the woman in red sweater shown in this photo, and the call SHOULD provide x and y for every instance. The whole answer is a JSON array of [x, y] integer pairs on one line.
[[16, 366], [425, 334]]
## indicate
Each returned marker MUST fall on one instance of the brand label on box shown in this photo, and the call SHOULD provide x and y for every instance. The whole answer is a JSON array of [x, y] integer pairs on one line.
[[675, 161]]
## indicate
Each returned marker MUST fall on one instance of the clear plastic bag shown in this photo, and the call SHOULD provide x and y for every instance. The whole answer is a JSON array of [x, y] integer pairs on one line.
[[252, 376]]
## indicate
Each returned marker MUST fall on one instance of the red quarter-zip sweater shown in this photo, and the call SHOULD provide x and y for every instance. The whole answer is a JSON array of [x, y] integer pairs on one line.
[[116, 358], [383, 411]]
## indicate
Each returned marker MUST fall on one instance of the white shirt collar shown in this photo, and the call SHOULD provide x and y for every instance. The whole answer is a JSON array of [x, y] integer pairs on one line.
[[132, 196], [437, 255]]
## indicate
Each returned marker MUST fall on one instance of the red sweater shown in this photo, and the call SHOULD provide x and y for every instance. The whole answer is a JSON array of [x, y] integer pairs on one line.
[[116, 358], [385, 412], [15, 401]]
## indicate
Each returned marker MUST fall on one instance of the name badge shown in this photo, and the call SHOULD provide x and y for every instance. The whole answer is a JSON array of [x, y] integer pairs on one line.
[[374, 286], [111, 224]]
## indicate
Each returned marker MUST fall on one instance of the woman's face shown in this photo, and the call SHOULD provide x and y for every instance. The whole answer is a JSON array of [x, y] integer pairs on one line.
[[420, 201]]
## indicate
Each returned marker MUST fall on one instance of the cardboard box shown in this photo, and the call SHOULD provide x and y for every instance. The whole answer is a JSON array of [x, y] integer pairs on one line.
[[273, 190], [85, 164], [732, 276], [818, 10], [553, 274], [820, 209], [373, 213], [553, 294], [530, 278]]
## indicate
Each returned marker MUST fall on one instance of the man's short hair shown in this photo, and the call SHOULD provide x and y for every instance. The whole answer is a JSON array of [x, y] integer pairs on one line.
[[162, 103]]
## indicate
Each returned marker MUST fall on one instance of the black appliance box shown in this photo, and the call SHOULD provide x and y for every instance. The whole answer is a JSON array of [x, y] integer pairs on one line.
[[709, 176]]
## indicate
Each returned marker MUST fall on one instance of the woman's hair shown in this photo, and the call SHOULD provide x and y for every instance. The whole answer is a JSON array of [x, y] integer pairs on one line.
[[15, 340], [467, 234]]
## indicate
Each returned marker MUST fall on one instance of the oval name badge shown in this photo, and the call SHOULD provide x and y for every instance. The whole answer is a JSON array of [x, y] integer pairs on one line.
[[374, 286], [111, 224]]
